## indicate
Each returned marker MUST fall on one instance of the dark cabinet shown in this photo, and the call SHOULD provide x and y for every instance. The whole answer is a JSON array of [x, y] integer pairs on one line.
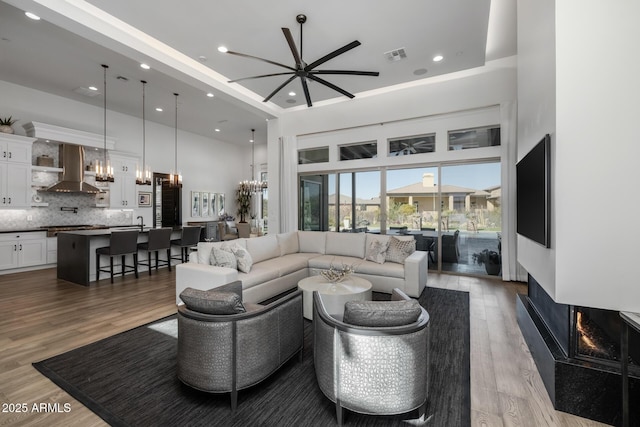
[[209, 230]]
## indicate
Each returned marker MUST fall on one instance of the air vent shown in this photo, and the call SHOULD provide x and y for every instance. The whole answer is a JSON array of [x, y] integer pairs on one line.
[[86, 91], [396, 54]]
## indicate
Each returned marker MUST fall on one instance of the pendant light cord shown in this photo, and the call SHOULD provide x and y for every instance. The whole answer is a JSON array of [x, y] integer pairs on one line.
[[104, 96], [176, 137], [144, 132]]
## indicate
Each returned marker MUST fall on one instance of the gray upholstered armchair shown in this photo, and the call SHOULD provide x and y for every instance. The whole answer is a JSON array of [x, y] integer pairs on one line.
[[224, 353], [379, 370]]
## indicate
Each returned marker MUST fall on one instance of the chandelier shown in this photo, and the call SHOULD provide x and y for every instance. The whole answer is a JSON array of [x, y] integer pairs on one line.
[[175, 177], [143, 174], [253, 186], [104, 171]]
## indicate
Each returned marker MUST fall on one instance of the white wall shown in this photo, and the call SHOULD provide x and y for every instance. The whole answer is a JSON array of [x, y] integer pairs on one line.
[[589, 105], [597, 150], [206, 164], [537, 117]]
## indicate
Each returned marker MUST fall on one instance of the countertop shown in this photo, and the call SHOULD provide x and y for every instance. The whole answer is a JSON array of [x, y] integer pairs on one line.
[[45, 228], [108, 231], [23, 230]]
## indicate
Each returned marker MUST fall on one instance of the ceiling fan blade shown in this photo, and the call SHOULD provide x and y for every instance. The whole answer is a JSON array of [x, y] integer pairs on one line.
[[332, 55], [259, 77], [353, 73], [292, 46], [332, 86], [261, 59], [278, 88], [305, 89]]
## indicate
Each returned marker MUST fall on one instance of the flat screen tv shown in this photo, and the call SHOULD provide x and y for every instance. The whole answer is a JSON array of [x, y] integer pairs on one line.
[[533, 173]]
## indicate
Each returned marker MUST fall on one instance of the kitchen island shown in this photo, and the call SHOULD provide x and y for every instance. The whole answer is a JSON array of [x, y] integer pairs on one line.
[[77, 252]]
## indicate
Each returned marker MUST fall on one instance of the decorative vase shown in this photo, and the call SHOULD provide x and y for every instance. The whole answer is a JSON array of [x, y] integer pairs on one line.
[[6, 129], [492, 269]]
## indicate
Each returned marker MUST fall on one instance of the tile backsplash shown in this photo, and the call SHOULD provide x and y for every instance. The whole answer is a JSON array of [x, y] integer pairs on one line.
[[53, 214]]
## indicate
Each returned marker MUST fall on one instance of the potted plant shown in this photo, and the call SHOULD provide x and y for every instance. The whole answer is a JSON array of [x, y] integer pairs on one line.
[[491, 260], [6, 124]]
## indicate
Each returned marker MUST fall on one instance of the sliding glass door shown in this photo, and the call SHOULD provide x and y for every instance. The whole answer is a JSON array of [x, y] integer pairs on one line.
[[471, 215]]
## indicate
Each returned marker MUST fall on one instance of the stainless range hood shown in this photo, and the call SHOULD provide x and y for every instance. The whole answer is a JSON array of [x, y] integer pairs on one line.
[[72, 181]]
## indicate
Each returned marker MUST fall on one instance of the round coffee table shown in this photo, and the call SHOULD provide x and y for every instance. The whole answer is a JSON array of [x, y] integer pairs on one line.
[[334, 295]]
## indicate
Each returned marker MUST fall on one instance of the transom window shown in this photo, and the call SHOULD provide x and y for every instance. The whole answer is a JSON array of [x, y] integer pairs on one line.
[[408, 145], [488, 136]]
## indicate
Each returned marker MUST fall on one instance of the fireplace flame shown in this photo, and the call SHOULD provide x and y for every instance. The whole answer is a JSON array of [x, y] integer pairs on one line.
[[583, 333]]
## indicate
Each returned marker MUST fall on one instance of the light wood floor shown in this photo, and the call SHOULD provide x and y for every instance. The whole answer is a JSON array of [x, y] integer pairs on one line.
[[41, 317]]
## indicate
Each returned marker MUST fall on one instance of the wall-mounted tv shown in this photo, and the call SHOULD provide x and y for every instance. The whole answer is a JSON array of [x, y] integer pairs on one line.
[[533, 187]]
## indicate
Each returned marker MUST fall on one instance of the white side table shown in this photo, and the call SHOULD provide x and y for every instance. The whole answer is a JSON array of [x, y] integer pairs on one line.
[[334, 295]]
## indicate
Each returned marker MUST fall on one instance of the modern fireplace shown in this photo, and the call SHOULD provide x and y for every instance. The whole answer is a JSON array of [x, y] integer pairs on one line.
[[577, 352]]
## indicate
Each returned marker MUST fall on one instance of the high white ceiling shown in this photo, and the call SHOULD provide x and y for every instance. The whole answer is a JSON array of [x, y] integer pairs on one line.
[[64, 50]]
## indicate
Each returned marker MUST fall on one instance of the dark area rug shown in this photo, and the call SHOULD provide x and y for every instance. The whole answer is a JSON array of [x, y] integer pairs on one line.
[[130, 379]]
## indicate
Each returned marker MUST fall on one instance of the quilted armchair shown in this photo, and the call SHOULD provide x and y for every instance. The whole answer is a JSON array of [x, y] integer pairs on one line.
[[372, 370], [224, 353]]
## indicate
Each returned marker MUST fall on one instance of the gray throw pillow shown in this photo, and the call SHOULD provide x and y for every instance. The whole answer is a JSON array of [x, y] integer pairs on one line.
[[212, 301], [377, 251], [243, 258], [399, 250], [222, 258], [381, 313]]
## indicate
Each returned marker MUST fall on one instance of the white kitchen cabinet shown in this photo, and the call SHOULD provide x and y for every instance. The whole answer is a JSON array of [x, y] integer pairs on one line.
[[52, 250], [122, 192], [15, 171], [23, 249], [15, 151]]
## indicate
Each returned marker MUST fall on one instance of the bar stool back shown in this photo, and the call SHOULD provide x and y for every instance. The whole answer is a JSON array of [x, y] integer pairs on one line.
[[190, 238], [121, 243], [159, 239]]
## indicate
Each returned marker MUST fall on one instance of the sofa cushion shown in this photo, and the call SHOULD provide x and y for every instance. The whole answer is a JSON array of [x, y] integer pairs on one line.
[[400, 249], [212, 302], [260, 273], [223, 258], [376, 250], [381, 313], [243, 257], [286, 264], [348, 244], [324, 262], [288, 243], [388, 269], [262, 248], [312, 241]]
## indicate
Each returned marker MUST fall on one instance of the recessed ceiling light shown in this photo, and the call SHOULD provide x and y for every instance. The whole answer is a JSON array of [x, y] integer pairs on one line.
[[202, 58], [159, 109], [420, 71], [223, 49], [292, 93], [32, 15], [217, 130], [210, 95], [93, 88], [145, 66], [251, 140], [438, 58]]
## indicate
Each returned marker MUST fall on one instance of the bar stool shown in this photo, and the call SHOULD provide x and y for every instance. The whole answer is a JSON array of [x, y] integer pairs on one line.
[[121, 243], [159, 239], [190, 238]]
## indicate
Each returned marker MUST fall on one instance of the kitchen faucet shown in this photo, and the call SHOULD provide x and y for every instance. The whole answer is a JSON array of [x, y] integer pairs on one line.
[[141, 223]]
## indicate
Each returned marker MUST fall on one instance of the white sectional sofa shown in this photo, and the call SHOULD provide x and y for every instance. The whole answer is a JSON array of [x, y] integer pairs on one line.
[[281, 260]]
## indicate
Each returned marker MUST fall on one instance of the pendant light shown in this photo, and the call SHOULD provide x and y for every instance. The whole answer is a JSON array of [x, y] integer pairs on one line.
[[143, 174], [253, 186], [104, 171], [175, 178]]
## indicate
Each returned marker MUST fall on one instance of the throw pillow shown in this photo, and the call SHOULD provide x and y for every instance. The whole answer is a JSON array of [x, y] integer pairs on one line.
[[377, 251], [243, 258], [399, 250], [222, 258], [381, 313], [212, 302]]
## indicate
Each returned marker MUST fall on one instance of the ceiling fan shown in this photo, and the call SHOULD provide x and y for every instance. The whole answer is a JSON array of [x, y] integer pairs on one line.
[[303, 70]]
